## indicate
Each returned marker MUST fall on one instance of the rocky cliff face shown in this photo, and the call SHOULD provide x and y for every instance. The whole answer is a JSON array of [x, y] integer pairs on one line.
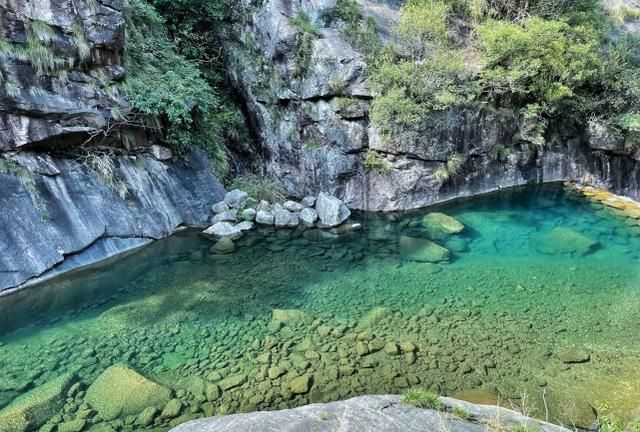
[[58, 63], [58, 214], [315, 132]]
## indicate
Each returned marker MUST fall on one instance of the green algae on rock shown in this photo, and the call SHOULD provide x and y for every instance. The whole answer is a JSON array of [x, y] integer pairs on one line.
[[120, 390], [422, 250], [35, 408]]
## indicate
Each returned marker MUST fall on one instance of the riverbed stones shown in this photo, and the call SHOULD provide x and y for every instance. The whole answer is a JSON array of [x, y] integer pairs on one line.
[[331, 211], [422, 250], [284, 218], [308, 201], [264, 217], [564, 240], [172, 409], [233, 381], [236, 198], [574, 355], [223, 246], [309, 217], [301, 384], [147, 416], [288, 316], [35, 408], [441, 225], [120, 390], [223, 230], [76, 425], [245, 226]]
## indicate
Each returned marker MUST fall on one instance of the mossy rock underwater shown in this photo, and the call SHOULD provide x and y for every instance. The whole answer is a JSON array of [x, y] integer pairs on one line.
[[120, 390], [440, 226], [35, 408], [422, 250]]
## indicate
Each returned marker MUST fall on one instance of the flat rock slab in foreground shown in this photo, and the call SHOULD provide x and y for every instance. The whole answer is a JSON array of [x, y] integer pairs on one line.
[[366, 414]]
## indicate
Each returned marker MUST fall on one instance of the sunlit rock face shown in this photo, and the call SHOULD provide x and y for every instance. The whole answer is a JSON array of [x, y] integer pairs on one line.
[[315, 134], [59, 61]]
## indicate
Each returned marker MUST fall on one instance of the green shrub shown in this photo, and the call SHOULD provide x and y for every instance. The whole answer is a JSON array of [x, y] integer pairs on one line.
[[161, 84], [307, 34], [373, 162], [422, 399], [463, 413], [260, 188]]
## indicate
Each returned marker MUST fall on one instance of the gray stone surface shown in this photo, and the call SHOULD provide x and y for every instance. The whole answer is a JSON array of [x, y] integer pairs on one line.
[[236, 198], [264, 217], [308, 216], [223, 230], [331, 211], [75, 219], [225, 216], [312, 141], [367, 414], [48, 109]]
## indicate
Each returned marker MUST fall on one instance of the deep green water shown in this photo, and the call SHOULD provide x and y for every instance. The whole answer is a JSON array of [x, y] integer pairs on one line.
[[491, 324]]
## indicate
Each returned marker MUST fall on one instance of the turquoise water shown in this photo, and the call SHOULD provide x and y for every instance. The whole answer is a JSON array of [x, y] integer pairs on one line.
[[537, 307]]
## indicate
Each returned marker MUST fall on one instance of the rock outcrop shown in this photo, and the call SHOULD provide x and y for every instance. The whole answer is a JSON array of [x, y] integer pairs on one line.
[[59, 62], [59, 214], [315, 133], [371, 414]]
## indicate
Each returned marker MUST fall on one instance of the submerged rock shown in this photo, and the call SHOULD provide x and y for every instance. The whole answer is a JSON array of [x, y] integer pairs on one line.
[[288, 315], [422, 250], [563, 240], [120, 390], [331, 211], [223, 230], [439, 226], [33, 409], [301, 384], [223, 246], [574, 355]]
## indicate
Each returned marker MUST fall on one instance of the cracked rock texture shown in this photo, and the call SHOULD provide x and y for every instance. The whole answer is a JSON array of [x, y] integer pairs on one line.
[[59, 107], [314, 132], [368, 414], [64, 216]]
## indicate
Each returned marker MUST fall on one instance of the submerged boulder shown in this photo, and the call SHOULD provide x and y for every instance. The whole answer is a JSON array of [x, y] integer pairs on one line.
[[563, 240], [422, 250], [288, 315], [440, 226], [33, 409], [223, 246], [331, 211], [120, 390], [223, 230]]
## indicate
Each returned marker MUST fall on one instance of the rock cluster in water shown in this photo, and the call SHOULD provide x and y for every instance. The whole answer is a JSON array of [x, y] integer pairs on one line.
[[239, 213]]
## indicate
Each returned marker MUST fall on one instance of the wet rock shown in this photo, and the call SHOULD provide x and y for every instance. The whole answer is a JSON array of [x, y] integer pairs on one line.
[[219, 207], [236, 198], [223, 230], [223, 246], [264, 217], [440, 222], [288, 316], [374, 317], [160, 153], [276, 372], [120, 390], [248, 214], [212, 392], [72, 426], [362, 349], [331, 211], [225, 216], [35, 408], [574, 355], [309, 217], [301, 384], [172, 409], [422, 250], [147, 416], [391, 348], [284, 218], [233, 381], [563, 240]]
